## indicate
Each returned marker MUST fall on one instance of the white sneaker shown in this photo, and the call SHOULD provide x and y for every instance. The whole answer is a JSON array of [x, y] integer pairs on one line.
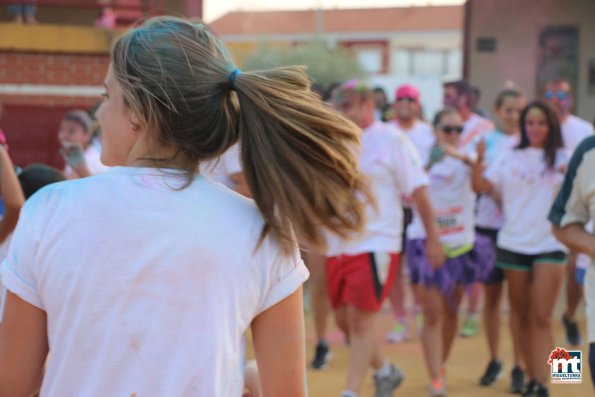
[[386, 385], [398, 334]]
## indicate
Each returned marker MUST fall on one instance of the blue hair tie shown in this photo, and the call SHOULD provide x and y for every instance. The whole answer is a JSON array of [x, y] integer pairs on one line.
[[231, 80]]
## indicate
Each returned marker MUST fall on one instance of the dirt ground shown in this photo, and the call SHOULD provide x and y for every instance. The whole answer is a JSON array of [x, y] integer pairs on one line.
[[467, 363]]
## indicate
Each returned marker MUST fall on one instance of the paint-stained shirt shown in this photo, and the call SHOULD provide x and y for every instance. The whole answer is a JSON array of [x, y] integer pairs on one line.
[[151, 292], [392, 167]]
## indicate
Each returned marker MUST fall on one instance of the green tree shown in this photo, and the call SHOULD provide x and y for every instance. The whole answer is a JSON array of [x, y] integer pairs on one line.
[[326, 64]]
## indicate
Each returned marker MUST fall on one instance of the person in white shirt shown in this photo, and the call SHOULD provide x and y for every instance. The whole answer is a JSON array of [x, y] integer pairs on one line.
[[13, 199], [573, 209], [152, 292], [489, 219], [30, 180], [470, 256], [558, 94], [459, 94], [406, 109], [81, 155], [360, 272], [525, 181], [227, 169]]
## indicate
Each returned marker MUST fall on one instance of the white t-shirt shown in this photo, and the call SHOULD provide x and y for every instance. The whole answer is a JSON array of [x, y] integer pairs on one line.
[[574, 130], [474, 129], [452, 199], [390, 162], [93, 161], [422, 136], [489, 214], [221, 169], [527, 189], [143, 294]]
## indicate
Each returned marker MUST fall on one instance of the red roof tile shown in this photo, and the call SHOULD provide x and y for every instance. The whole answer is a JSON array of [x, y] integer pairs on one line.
[[338, 21]]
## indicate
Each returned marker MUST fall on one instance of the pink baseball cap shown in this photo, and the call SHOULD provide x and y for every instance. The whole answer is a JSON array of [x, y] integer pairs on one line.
[[407, 91]]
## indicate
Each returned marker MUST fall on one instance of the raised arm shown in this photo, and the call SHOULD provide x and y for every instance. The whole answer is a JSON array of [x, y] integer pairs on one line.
[[281, 329], [478, 181], [12, 195]]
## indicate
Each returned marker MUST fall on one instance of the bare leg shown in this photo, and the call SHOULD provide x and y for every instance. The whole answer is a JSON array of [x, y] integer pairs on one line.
[[574, 290], [318, 293], [363, 345], [431, 336], [397, 293], [341, 319], [545, 286], [515, 333], [518, 295], [450, 306], [491, 317], [474, 295]]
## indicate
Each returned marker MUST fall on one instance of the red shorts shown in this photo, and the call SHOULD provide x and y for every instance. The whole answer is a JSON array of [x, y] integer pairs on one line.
[[362, 281]]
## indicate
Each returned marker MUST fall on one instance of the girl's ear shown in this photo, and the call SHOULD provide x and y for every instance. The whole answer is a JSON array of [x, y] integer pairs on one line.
[[134, 122]]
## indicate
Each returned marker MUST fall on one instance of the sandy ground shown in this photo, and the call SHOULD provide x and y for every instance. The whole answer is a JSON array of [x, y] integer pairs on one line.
[[466, 365]]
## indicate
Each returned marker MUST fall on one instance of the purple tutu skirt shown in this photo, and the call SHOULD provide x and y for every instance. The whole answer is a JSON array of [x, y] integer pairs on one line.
[[473, 266]]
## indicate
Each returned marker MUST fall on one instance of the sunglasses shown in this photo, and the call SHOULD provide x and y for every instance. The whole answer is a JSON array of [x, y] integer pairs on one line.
[[452, 128], [406, 98], [561, 95]]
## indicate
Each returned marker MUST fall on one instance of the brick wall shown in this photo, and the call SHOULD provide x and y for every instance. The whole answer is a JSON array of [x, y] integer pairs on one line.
[[52, 69], [31, 121]]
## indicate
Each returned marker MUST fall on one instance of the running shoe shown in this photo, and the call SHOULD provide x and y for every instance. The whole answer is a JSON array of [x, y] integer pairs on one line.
[[492, 374], [470, 327], [399, 333], [535, 389], [573, 335], [322, 356], [386, 385], [438, 388], [517, 380]]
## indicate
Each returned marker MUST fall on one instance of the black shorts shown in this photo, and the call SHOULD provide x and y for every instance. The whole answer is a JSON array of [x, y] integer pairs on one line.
[[509, 260], [497, 274], [407, 218]]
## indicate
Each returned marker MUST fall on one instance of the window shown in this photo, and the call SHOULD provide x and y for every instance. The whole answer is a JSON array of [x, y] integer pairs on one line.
[[401, 63], [370, 58]]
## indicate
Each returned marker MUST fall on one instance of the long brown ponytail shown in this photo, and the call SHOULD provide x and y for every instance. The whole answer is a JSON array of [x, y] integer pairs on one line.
[[299, 156]]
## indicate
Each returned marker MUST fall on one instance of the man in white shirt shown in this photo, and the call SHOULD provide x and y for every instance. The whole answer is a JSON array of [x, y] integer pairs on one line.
[[360, 272], [406, 110], [558, 94], [458, 95]]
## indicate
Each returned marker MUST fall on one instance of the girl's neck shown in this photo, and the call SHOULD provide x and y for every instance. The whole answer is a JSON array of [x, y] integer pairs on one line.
[[537, 146]]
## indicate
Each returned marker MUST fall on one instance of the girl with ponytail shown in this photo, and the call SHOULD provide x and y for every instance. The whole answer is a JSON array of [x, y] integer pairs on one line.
[[152, 292]]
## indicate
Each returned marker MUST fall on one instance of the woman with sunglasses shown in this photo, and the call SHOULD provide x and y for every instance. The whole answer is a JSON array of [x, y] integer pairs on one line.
[[406, 118], [440, 289], [525, 181], [489, 218]]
